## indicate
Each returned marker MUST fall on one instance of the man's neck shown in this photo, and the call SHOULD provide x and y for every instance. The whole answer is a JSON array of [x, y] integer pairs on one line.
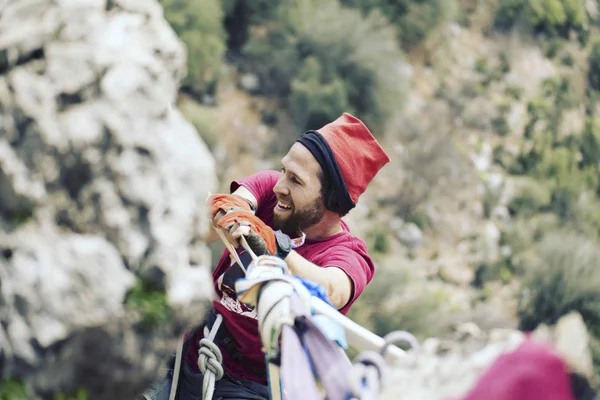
[[328, 226]]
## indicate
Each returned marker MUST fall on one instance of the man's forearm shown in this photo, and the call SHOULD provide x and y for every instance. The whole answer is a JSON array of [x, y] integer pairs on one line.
[[336, 283], [211, 236]]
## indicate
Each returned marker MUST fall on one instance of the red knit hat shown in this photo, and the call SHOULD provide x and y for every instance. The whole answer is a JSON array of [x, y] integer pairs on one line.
[[356, 151], [532, 372]]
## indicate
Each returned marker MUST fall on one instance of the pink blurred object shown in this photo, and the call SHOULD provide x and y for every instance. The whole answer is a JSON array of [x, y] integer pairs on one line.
[[531, 372]]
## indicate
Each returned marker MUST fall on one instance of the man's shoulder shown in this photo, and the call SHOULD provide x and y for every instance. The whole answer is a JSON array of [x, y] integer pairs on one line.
[[266, 175], [261, 180], [342, 242], [350, 238]]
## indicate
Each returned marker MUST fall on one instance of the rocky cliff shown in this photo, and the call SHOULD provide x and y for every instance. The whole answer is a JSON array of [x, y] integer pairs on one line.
[[102, 192]]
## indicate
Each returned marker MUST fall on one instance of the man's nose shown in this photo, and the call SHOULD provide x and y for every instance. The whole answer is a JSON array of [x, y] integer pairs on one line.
[[280, 187]]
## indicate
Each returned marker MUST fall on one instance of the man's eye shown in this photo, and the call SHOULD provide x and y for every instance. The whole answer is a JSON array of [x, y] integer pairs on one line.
[[295, 180]]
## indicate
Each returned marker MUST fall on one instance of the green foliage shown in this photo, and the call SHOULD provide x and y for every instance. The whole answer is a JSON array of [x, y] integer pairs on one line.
[[21, 215], [554, 17], [150, 301], [564, 277], [80, 394], [413, 19], [13, 390], [558, 95], [594, 67], [500, 125], [242, 15], [200, 25], [417, 217], [514, 92], [204, 120], [508, 12], [384, 306], [378, 240], [314, 102], [530, 200], [501, 270], [589, 144], [317, 53], [561, 91]]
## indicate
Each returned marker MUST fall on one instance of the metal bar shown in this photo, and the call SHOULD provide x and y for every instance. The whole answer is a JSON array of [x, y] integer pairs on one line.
[[357, 336]]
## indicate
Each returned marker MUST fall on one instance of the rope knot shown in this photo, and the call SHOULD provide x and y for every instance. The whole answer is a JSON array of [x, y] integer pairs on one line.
[[210, 358]]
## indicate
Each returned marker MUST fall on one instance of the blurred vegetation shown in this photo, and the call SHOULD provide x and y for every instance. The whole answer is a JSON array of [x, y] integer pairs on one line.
[[414, 20], [200, 25], [564, 276], [13, 390], [386, 304], [316, 58], [16, 390], [319, 59], [150, 301], [552, 17]]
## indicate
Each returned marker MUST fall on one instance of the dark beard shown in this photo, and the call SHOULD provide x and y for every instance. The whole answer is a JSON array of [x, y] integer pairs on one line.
[[300, 219]]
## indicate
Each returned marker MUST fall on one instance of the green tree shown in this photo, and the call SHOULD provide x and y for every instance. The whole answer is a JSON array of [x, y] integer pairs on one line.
[[313, 101], [594, 67], [413, 19], [556, 17], [564, 277], [199, 24], [356, 59]]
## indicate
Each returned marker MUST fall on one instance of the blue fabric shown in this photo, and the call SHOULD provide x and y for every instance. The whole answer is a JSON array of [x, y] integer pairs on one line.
[[331, 329], [315, 289]]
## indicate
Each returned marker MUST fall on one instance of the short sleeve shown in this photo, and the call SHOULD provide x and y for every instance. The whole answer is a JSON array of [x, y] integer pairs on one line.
[[260, 184], [359, 270]]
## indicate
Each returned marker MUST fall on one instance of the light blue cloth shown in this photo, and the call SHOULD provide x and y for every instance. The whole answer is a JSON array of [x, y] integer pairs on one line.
[[331, 329]]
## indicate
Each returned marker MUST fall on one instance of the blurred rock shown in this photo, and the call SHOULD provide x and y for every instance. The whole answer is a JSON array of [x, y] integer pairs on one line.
[[572, 341], [102, 183], [490, 241], [249, 82], [436, 374], [410, 235], [501, 214], [448, 368]]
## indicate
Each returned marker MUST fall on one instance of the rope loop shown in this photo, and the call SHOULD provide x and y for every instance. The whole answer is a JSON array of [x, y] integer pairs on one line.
[[210, 358]]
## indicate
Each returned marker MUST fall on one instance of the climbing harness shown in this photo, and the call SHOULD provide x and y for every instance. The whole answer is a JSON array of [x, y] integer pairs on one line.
[[303, 336]]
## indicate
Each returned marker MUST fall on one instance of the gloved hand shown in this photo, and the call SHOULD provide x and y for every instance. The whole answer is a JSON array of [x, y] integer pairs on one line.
[[220, 204], [261, 238]]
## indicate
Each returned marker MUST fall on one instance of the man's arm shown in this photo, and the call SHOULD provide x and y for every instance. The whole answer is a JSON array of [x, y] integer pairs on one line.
[[336, 283], [212, 233]]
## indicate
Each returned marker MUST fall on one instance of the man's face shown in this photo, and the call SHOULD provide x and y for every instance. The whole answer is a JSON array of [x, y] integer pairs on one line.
[[299, 201]]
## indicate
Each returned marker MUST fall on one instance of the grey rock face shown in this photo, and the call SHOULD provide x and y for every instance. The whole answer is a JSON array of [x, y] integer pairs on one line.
[[102, 184]]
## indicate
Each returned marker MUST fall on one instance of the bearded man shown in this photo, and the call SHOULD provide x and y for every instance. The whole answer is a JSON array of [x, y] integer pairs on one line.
[[320, 181]]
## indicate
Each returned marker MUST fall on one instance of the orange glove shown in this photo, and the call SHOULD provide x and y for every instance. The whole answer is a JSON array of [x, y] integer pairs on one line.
[[226, 202], [261, 238]]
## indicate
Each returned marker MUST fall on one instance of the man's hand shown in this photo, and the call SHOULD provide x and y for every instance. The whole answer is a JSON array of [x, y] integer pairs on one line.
[[261, 238], [220, 205]]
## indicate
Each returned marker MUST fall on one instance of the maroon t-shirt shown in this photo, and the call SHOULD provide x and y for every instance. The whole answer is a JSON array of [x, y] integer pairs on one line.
[[341, 250]]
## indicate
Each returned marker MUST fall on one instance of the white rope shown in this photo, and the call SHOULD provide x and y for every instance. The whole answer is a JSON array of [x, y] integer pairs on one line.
[[176, 369], [210, 360]]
